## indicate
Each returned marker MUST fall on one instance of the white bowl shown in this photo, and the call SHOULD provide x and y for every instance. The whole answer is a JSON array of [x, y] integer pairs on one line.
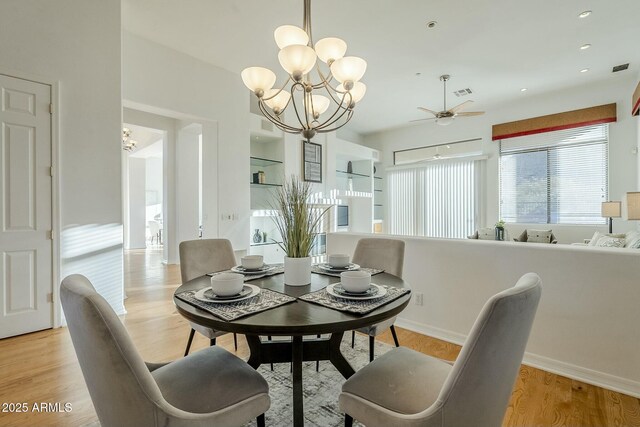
[[227, 284], [252, 262], [338, 260], [355, 281]]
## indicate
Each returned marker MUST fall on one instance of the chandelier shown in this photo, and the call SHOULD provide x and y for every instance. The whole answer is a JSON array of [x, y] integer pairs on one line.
[[338, 87], [128, 144]]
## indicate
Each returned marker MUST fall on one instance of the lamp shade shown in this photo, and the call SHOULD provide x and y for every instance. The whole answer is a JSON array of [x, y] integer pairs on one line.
[[320, 103], [633, 206], [330, 48], [357, 91], [612, 209], [286, 35], [297, 59], [348, 69], [275, 100], [258, 78], [445, 121]]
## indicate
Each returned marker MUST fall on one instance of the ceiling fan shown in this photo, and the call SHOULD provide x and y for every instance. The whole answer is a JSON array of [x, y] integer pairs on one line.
[[445, 116]]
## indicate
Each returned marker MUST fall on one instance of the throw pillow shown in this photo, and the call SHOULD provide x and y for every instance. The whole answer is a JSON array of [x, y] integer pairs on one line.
[[539, 236], [598, 235], [610, 242], [632, 238], [473, 236], [487, 233], [522, 237], [634, 245]]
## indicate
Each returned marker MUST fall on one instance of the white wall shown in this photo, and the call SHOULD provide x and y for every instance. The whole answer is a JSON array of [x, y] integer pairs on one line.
[[623, 164], [188, 184], [161, 80], [78, 44], [586, 326], [137, 223]]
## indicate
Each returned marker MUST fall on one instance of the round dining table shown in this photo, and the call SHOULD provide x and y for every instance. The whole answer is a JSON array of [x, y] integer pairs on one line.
[[296, 320]]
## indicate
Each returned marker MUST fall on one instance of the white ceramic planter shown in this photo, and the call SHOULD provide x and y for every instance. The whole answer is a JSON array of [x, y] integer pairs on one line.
[[297, 271]]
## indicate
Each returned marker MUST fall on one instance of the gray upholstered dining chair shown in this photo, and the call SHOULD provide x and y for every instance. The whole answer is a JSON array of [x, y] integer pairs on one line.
[[209, 387], [197, 258], [387, 254], [407, 388]]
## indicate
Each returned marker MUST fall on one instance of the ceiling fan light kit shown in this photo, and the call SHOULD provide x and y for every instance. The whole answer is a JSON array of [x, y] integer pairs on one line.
[[447, 116], [339, 87]]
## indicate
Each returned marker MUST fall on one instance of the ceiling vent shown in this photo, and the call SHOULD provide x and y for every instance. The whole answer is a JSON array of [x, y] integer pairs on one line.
[[463, 92], [621, 67]]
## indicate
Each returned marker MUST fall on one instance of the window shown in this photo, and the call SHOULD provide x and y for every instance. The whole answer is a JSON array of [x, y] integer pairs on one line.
[[558, 177], [436, 200]]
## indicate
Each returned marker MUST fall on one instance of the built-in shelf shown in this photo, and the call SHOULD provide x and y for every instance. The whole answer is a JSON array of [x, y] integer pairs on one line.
[[377, 177], [265, 244], [352, 174], [378, 191], [258, 161], [376, 204], [254, 184]]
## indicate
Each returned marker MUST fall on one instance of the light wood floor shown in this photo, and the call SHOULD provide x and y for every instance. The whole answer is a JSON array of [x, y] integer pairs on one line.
[[42, 366]]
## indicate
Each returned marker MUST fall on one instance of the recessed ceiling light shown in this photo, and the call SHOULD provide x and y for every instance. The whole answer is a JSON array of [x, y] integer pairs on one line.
[[524, 89], [432, 24], [585, 46], [584, 70], [584, 14]]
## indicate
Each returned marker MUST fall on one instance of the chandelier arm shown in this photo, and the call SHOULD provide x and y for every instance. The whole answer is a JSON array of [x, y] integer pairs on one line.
[[330, 121], [280, 90], [341, 103], [339, 107], [306, 16], [275, 120], [338, 127], [295, 107], [324, 81], [306, 100]]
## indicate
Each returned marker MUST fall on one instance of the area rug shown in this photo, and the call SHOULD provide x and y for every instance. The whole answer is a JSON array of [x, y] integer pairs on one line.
[[321, 389]]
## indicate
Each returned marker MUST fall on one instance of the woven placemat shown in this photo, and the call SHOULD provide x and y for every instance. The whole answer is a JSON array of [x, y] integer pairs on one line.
[[318, 270], [322, 297], [279, 269], [265, 300]]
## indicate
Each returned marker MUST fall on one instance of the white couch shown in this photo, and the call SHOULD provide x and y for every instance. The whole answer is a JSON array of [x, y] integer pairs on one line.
[[588, 321]]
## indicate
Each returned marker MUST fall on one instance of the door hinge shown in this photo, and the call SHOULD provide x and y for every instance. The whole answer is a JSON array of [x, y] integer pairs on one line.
[[49, 297], [50, 108], [49, 234]]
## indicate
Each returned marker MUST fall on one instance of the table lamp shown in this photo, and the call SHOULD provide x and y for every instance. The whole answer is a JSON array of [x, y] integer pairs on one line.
[[633, 206], [611, 210]]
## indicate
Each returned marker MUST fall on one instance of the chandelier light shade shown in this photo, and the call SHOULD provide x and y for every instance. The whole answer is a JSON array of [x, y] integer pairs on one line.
[[128, 144], [286, 35], [330, 49], [258, 79], [348, 69], [323, 93]]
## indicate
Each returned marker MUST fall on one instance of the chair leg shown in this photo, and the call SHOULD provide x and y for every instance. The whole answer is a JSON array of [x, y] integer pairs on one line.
[[353, 339], [317, 361], [235, 341], [213, 341], [269, 338], [260, 420], [395, 337], [372, 343], [191, 334], [348, 420]]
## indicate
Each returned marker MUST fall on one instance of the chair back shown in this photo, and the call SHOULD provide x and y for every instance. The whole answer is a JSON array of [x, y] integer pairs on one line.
[[121, 387], [199, 257], [154, 227], [387, 254], [478, 389]]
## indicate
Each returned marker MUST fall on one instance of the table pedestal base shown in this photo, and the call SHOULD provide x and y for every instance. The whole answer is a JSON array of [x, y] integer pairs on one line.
[[295, 352]]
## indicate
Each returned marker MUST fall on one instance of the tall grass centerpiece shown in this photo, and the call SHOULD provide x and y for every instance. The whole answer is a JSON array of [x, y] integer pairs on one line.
[[298, 223]]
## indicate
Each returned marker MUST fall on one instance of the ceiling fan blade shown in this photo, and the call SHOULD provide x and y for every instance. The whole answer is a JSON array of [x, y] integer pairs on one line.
[[422, 120], [460, 106], [426, 110], [470, 113]]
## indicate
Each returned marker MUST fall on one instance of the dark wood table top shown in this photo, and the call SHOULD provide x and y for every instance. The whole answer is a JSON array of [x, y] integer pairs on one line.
[[295, 318]]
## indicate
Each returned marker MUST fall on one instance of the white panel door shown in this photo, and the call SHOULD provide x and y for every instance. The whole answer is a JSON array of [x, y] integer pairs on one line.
[[25, 207]]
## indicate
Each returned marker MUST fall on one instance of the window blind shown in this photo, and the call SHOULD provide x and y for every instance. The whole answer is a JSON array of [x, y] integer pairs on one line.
[[436, 200], [556, 177]]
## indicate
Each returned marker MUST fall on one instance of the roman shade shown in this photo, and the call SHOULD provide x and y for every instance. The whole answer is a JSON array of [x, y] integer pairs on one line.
[[553, 122]]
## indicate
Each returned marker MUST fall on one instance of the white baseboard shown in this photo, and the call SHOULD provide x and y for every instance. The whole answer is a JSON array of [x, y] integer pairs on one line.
[[600, 379]]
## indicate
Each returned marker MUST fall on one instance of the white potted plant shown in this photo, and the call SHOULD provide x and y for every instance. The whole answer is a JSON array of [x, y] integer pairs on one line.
[[298, 222]]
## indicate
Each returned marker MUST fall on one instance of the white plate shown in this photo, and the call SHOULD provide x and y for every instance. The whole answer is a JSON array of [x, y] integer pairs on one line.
[[327, 267], [381, 292], [200, 295], [240, 269]]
